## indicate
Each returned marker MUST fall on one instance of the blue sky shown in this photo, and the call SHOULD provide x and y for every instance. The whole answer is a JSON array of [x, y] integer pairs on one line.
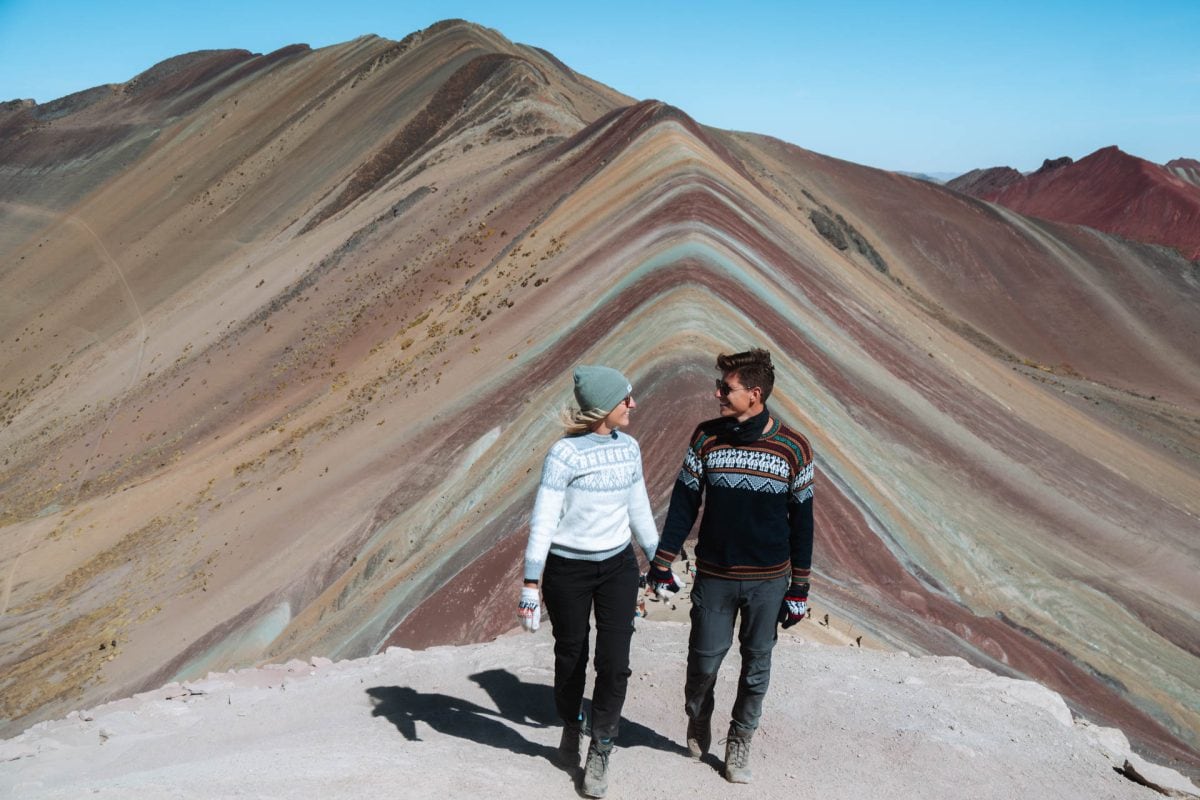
[[912, 85]]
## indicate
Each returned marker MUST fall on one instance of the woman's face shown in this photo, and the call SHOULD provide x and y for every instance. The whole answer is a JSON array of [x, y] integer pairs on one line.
[[618, 417]]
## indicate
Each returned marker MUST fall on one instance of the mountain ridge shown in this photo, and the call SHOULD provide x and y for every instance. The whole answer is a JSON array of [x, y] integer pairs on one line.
[[228, 441], [1109, 190]]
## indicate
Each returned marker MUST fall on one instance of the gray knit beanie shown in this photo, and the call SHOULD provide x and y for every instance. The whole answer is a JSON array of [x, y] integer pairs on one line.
[[600, 388]]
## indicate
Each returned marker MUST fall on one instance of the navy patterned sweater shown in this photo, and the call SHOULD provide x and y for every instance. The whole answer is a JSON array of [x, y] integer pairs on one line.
[[757, 490]]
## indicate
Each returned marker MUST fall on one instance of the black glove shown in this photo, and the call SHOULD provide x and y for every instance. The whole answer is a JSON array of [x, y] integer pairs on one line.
[[662, 581], [795, 606]]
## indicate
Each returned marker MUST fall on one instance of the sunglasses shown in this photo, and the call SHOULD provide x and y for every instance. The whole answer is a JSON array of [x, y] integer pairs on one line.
[[724, 389]]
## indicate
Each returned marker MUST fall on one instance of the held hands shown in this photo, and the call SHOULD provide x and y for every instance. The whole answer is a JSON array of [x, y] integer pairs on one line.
[[529, 609], [795, 606], [663, 582]]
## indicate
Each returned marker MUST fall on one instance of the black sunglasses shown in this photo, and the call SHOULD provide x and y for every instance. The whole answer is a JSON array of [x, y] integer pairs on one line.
[[724, 389]]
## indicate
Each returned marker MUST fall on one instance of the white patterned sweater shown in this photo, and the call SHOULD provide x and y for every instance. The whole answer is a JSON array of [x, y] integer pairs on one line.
[[591, 495]]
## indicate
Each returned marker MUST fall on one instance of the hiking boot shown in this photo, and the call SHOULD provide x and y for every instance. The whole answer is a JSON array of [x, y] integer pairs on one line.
[[569, 745], [595, 771], [737, 758], [699, 736]]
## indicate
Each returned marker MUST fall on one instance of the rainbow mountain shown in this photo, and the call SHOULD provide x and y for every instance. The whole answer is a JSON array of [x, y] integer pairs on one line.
[[284, 337]]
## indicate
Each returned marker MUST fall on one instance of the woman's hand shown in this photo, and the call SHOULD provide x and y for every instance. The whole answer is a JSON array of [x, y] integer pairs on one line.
[[529, 609]]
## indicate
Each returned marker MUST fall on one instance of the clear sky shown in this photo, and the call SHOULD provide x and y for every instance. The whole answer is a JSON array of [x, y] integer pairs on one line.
[[907, 85]]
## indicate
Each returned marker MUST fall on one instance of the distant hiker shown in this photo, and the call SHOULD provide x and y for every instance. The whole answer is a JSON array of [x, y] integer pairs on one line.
[[754, 548], [592, 494]]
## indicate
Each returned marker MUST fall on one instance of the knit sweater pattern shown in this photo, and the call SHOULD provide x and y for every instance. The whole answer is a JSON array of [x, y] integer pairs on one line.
[[591, 497], [757, 495]]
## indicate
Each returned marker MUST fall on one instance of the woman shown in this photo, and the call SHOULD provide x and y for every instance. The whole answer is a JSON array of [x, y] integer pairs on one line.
[[591, 495]]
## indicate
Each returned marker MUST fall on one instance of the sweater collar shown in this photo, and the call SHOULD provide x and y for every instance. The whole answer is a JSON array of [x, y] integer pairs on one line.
[[745, 432]]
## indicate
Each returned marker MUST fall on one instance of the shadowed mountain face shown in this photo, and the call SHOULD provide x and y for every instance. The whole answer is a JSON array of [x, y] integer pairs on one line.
[[1109, 190], [284, 337], [984, 182]]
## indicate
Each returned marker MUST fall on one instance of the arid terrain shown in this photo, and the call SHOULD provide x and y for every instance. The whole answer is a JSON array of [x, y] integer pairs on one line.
[[479, 720], [1109, 190], [284, 337]]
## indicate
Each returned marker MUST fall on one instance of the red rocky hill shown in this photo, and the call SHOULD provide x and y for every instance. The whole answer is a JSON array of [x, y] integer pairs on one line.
[[1108, 190]]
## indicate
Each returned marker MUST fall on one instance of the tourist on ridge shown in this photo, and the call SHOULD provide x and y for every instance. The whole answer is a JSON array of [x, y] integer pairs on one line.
[[591, 495], [754, 548]]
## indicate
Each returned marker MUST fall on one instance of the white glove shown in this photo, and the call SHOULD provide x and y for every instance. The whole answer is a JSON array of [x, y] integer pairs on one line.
[[529, 610]]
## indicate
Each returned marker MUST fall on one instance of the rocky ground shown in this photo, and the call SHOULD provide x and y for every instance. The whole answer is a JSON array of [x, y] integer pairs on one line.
[[842, 721]]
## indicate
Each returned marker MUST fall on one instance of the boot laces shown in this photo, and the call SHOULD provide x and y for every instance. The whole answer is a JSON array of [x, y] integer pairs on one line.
[[597, 763], [739, 751]]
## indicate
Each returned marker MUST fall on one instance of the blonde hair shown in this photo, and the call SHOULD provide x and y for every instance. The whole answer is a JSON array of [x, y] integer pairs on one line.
[[577, 422]]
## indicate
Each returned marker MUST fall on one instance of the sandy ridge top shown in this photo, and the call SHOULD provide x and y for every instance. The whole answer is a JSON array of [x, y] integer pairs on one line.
[[478, 721]]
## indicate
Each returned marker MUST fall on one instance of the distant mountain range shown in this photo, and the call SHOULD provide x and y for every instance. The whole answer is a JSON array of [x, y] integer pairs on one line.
[[284, 337], [931, 177], [1108, 190]]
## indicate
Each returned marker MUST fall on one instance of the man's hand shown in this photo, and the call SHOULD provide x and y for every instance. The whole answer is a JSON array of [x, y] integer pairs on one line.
[[529, 609], [795, 606], [663, 582]]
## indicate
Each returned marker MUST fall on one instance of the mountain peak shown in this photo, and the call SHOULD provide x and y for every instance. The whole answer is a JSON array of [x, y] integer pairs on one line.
[[981, 182], [1109, 190], [1049, 165]]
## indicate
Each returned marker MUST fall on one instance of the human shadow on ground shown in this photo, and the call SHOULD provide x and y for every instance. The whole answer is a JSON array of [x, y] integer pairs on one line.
[[518, 701], [404, 707], [528, 704]]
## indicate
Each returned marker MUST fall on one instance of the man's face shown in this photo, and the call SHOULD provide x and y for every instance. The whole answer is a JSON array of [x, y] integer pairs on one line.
[[735, 399]]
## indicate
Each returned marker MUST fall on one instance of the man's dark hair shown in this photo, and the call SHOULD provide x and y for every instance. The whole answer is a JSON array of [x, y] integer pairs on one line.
[[753, 368]]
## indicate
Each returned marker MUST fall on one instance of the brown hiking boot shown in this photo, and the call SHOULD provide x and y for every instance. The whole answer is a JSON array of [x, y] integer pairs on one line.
[[699, 737], [737, 758], [595, 771]]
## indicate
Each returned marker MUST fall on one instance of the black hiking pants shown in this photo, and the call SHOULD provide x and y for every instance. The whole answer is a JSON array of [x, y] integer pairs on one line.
[[571, 588]]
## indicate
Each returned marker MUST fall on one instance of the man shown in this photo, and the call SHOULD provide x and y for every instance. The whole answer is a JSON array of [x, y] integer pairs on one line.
[[754, 548]]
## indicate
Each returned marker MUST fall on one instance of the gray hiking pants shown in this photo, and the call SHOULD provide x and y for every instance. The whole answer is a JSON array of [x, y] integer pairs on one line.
[[716, 604]]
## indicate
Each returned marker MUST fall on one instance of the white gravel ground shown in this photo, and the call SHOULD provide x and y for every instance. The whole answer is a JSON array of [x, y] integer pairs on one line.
[[477, 721]]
